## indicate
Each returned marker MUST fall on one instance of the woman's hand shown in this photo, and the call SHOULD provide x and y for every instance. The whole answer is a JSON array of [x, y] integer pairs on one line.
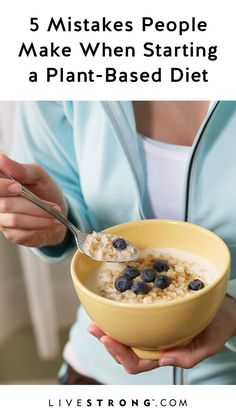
[[207, 343], [22, 222]]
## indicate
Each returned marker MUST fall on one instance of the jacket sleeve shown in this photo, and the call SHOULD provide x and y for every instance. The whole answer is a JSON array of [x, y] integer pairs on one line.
[[44, 134], [231, 291]]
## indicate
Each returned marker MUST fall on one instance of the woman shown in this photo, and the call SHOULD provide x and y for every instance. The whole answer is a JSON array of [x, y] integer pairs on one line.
[[121, 161]]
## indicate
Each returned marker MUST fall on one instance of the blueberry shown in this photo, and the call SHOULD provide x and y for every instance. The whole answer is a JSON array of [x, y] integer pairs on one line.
[[148, 275], [123, 283], [162, 282], [161, 265], [140, 287], [119, 244], [131, 272], [195, 285]]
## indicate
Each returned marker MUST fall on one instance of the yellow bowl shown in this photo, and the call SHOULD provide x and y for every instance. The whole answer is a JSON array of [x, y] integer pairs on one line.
[[151, 328]]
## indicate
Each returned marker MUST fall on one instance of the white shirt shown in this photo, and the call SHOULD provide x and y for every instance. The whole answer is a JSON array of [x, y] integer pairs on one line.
[[165, 166]]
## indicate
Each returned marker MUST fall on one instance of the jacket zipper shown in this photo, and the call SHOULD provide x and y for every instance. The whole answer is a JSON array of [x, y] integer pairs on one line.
[[193, 154]]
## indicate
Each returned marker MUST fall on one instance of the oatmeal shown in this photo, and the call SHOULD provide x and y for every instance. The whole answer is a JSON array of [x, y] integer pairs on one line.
[[105, 246], [159, 274]]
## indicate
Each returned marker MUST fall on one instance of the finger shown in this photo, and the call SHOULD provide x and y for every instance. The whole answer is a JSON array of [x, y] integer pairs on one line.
[[95, 331], [199, 349], [22, 206], [9, 188], [130, 361], [122, 354], [114, 356], [30, 238], [98, 333], [24, 173], [26, 222]]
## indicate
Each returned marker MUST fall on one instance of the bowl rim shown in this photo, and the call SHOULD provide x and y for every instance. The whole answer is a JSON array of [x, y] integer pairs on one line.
[[161, 303]]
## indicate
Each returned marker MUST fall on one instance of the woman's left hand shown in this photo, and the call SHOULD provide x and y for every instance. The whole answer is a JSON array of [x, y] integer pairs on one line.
[[210, 341]]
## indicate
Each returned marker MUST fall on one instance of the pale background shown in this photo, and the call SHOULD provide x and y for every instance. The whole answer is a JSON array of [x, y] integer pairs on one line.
[[37, 302]]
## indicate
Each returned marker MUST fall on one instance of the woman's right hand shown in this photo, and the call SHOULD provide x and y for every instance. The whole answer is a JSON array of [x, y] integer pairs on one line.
[[22, 222]]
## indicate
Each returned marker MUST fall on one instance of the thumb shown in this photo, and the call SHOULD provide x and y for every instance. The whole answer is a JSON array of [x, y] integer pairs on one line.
[[23, 173], [202, 347]]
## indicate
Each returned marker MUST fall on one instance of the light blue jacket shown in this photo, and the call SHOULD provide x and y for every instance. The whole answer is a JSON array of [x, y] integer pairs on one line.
[[93, 151]]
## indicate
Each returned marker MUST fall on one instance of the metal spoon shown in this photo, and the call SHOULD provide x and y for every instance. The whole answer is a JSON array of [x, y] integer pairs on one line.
[[79, 236]]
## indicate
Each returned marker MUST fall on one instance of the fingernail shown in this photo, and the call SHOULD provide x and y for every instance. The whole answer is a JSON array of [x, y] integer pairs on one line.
[[166, 361], [14, 187]]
